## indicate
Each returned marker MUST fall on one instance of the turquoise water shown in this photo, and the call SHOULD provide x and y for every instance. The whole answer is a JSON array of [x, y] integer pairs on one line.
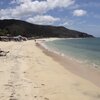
[[83, 50]]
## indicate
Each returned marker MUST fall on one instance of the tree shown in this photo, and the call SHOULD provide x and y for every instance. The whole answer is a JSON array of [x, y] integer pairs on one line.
[[3, 32]]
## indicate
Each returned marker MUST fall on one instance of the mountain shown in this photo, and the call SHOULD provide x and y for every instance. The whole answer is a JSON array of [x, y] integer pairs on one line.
[[17, 27]]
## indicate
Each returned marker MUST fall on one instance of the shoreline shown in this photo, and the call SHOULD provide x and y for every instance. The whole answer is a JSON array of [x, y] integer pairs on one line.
[[87, 72], [28, 73]]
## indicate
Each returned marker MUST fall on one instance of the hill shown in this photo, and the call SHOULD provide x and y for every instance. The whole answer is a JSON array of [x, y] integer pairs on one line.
[[17, 27]]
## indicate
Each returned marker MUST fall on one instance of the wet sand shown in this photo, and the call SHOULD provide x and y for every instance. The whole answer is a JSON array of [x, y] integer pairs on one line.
[[27, 73], [90, 73]]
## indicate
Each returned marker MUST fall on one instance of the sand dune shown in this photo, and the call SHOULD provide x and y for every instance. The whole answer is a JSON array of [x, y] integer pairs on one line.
[[26, 73]]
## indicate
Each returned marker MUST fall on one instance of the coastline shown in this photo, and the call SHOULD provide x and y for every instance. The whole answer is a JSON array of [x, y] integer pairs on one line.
[[87, 72], [28, 73]]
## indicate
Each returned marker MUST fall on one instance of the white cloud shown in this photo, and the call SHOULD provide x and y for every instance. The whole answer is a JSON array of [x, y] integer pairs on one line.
[[67, 23], [75, 6], [21, 1], [59, 3], [26, 7], [40, 19], [79, 12], [12, 2]]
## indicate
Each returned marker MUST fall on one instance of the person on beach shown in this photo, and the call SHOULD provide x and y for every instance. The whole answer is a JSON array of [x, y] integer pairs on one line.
[[35, 40]]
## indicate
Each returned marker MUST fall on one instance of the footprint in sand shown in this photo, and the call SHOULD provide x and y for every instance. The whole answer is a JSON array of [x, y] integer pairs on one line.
[[46, 98], [43, 84], [96, 96]]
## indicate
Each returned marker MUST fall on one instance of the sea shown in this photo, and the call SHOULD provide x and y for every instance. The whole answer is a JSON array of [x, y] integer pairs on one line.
[[83, 50]]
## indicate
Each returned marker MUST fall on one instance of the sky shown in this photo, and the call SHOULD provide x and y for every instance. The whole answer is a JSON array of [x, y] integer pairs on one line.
[[81, 15]]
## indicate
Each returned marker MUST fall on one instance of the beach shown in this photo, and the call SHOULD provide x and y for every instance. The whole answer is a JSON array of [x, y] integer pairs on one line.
[[29, 72]]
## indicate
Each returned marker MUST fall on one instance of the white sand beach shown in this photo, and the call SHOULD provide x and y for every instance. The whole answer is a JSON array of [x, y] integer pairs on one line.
[[27, 73]]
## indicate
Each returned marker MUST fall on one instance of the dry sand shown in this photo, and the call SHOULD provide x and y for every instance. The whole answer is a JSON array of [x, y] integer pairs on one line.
[[26, 73]]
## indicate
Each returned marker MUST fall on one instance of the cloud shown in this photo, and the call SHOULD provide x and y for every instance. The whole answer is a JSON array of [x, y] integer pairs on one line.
[[26, 7], [79, 12], [75, 6], [59, 3], [67, 23], [12, 2], [43, 19]]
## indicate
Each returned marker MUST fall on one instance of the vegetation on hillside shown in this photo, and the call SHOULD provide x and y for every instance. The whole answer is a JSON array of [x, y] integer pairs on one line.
[[18, 27]]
